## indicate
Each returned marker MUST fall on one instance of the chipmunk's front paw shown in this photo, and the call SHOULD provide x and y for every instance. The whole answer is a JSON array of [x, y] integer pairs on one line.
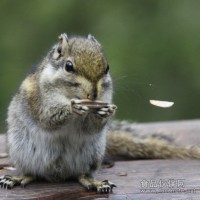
[[8, 182], [107, 111], [78, 108]]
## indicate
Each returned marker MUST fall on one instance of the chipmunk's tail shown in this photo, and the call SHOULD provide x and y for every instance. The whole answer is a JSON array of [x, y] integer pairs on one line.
[[126, 145]]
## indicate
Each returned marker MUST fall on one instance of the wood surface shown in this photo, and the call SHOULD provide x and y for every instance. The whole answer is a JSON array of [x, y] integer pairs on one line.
[[129, 176]]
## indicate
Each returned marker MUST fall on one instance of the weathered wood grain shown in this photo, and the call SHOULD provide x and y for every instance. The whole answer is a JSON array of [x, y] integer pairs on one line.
[[128, 175], [128, 187]]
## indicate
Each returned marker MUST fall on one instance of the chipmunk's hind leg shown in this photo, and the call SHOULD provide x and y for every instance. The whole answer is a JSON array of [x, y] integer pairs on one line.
[[100, 186], [8, 182]]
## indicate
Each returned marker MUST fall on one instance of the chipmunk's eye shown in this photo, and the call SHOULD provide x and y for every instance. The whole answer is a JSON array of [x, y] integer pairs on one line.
[[69, 66], [107, 69]]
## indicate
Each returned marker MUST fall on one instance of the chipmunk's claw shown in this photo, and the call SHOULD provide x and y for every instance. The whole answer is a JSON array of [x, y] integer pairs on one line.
[[78, 108], [100, 186], [107, 111], [8, 182], [105, 187]]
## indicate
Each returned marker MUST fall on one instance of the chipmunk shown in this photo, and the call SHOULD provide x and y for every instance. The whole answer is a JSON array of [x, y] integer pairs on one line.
[[51, 135]]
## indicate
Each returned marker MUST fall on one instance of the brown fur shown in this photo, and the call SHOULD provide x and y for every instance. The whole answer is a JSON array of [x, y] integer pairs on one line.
[[126, 145], [90, 62]]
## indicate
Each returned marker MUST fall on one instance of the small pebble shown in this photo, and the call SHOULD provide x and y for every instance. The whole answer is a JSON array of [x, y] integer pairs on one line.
[[122, 174], [3, 155], [10, 168]]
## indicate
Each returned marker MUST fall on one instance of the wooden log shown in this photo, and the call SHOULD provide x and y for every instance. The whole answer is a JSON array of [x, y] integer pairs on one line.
[[128, 186], [141, 179]]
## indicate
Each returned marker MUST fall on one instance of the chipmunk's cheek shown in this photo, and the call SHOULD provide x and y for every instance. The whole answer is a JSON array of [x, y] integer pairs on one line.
[[105, 90], [99, 88], [79, 94]]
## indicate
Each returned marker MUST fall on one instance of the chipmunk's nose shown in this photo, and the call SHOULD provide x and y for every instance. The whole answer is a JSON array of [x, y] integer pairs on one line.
[[92, 95]]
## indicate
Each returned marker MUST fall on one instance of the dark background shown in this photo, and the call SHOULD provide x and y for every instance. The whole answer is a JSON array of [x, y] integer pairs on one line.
[[153, 48]]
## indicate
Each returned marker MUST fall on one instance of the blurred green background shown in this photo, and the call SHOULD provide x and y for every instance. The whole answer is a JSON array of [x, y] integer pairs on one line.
[[153, 48]]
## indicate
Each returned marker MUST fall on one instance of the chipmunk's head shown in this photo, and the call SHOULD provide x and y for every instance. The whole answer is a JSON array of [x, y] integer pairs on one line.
[[78, 67]]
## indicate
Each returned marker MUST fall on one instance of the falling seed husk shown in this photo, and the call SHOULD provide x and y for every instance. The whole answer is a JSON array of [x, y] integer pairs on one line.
[[162, 104]]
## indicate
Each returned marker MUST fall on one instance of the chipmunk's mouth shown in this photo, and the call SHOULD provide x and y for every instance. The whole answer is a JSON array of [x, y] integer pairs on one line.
[[77, 97]]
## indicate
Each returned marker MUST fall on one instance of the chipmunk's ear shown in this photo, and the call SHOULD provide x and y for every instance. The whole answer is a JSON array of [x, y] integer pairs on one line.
[[91, 37], [62, 46]]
